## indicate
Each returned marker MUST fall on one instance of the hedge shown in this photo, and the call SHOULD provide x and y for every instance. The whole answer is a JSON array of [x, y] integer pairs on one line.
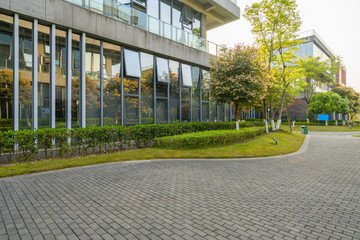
[[50, 143], [207, 138]]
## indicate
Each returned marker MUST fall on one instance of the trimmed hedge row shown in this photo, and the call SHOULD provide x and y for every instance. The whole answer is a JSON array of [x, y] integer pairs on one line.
[[49, 143], [208, 138]]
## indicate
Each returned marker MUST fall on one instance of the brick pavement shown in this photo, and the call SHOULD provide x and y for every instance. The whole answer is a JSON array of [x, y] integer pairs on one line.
[[311, 195]]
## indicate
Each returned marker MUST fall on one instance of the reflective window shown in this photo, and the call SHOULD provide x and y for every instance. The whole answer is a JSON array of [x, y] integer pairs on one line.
[[147, 88], [6, 73], [153, 8], [176, 14], [112, 84], [43, 76], [92, 70], [60, 78], [227, 112], [186, 75], [221, 112], [165, 11], [162, 68], [174, 91], [161, 111], [197, 24], [131, 113], [25, 74], [131, 86], [205, 84], [195, 72], [185, 104], [205, 111], [75, 83], [132, 64], [213, 113]]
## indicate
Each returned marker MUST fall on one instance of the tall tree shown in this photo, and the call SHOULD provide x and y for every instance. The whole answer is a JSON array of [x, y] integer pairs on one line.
[[352, 96], [327, 103], [238, 75], [275, 24], [318, 73]]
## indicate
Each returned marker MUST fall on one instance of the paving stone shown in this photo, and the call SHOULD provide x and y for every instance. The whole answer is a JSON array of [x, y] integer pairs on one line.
[[313, 194]]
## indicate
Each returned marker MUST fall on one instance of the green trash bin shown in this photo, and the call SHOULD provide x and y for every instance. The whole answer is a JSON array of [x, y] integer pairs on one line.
[[304, 129]]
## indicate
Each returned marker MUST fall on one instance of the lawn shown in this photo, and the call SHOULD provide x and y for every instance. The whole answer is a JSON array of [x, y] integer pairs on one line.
[[258, 147], [315, 128]]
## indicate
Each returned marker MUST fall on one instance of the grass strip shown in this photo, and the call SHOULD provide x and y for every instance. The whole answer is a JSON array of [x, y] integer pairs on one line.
[[260, 146]]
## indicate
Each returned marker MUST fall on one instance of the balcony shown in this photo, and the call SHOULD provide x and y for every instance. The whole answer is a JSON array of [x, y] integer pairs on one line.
[[136, 18]]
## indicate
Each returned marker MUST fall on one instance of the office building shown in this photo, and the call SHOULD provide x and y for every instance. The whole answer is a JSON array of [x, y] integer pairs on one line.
[[79, 63]]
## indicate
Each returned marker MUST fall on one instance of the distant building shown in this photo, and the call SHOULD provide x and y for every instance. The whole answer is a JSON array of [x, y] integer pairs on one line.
[[313, 46], [341, 75]]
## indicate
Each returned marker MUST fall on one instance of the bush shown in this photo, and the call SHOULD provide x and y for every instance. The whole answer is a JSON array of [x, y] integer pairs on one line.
[[65, 142], [207, 138]]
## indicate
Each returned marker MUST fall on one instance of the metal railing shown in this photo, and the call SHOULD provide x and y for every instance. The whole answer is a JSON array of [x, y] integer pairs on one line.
[[134, 17]]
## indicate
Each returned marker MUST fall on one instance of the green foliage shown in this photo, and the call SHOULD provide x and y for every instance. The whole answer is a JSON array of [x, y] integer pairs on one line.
[[327, 103], [318, 73], [353, 98], [50, 143], [207, 138], [238, 75], [275, 24]]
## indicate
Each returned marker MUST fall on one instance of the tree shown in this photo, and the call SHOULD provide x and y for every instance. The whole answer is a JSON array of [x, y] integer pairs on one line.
[[275, 24], [352, 96], [327, 103], [318, 73], [238, 75]]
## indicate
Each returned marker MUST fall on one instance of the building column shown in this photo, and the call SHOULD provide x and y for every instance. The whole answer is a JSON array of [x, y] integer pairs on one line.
[[35, 86], [68, 79], [16, 73], [101, 83], [82, 102], [52, 76]]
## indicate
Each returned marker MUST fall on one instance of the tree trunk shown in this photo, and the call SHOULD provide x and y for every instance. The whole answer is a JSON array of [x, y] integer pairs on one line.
[[281, 108], [288, 116], [237, 112], [264, 110]]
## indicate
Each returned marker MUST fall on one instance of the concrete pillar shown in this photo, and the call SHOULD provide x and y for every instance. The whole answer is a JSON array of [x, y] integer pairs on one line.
[[68, 79], [82, 101], [16, 73], [35, 75], [52, 76]]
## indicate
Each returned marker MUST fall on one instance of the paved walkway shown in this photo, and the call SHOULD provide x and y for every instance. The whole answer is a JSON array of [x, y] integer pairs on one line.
[[312, 194]]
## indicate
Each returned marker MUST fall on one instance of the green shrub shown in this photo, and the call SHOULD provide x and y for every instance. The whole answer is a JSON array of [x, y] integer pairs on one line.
[[65, 142], [207, 138]]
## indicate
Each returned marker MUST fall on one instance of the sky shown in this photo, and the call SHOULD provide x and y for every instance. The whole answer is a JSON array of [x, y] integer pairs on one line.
[[337, 22]]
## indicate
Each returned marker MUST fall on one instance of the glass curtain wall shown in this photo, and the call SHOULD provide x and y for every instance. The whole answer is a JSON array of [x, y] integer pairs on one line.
[[205, 96], [195, 73], [92, 71], [186, 83], [6, 73], [174, 91], [221, 112], [227, 112], [131, 82], [60, 78], [147, 88], [162, 87], [75, 81], [112, 84], [43, 76], [25, 74]]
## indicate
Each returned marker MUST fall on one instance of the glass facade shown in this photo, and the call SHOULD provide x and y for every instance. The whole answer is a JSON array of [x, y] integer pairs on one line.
[[147, 88], [75, 81], [122, 86], [112, 84], [60, 79], [25, 74], [196, 89], [174, 92], [92, 71], [6, 73], [43, 76]]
